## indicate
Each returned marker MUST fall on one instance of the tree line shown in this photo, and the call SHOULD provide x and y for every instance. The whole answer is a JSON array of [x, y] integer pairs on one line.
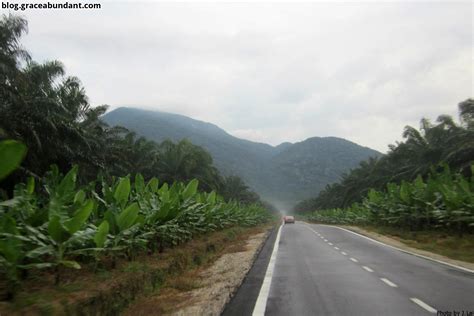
[[50, 112], [444, 200], [423, 151]]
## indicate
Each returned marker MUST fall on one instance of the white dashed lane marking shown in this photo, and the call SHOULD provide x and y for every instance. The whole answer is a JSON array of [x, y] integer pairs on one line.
[[388, 282], [423, 305], [415, 300], [330, 244]]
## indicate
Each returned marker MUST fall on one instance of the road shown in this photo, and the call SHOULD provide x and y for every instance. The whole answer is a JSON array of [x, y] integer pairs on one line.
[[323, 270]]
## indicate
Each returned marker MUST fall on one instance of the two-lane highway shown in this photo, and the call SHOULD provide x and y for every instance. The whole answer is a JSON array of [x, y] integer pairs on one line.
[[324, 270]]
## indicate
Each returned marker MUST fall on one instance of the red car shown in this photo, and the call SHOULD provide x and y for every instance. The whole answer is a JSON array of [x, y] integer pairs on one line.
[[288, 219]]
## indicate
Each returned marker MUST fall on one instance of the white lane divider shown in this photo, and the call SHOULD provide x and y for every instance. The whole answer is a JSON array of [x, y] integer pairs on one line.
[[261, 304], [345, 254], [423, 305], [367, 269], [322, 237], [388, 282], [354, 260]]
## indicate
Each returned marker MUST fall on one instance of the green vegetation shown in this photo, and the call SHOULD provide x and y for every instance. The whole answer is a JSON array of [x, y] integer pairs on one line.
[[423, 184], [444, 201], [102, 220], [86, 194], [433, 146], [50, 113], [114, 291]]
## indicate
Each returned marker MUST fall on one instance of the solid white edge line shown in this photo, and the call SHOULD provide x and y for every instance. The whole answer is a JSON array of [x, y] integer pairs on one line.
[[367, 269], [388, 282], [399, 249], [261, 304], [353, 259], [424, 305]]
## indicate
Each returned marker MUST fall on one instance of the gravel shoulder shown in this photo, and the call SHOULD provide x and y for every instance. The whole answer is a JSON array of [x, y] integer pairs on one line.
[[222, 279], [205, 291]]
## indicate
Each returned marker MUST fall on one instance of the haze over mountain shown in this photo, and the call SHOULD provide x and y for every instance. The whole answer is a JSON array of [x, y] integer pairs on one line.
[[283, 174]]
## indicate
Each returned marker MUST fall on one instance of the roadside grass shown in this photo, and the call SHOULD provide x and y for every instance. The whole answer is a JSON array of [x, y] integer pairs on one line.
[[452, 246], [188, 262], [110, 291]]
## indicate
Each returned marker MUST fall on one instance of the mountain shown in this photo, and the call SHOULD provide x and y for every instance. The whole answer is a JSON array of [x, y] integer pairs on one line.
[[283, 175]]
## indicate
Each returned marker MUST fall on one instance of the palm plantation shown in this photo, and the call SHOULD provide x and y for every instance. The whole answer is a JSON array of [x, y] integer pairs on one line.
[[50, 113], [75, 192]]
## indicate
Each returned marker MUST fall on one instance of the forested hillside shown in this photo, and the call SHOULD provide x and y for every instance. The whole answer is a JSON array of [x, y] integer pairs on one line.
[[284, 174], [305, 168], [231, 155]]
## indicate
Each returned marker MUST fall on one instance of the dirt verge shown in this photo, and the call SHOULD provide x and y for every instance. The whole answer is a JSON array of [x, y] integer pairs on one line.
[[205, 291]]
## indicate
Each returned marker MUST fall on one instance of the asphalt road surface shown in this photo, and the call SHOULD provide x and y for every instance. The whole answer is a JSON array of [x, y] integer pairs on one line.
[[323, 270]]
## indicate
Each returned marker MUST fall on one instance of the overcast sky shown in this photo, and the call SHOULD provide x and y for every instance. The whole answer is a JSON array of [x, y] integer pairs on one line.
[[270, 72]]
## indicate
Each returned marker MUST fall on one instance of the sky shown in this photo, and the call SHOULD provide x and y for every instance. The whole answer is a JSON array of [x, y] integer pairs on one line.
[[270, 72]]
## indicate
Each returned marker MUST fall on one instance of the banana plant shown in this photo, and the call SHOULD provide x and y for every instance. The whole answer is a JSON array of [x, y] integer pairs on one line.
[[65, 229], [445, 199], [59, 229], [124, 221], [11, 254], [11, 155], [66, 235]]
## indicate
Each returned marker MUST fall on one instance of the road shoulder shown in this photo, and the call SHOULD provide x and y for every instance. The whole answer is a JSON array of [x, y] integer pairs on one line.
[[243, 302], [205, 291], [399, 244]]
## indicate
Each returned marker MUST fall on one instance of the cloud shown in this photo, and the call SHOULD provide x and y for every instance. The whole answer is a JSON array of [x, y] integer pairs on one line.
[[270, 72]]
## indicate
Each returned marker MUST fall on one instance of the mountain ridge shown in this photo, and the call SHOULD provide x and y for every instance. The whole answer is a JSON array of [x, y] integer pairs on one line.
[[282, 174]]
